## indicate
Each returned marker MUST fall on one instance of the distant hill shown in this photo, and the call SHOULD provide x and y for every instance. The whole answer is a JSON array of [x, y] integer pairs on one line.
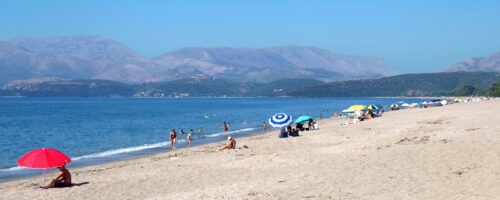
[[281, 87], [70, 88], [402, 85], [205, 87], [489, 63], [94, 57], [432, 84], [194, 87]]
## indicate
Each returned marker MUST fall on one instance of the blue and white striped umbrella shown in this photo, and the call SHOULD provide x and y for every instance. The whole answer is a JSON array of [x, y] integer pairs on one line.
[[280, 120]]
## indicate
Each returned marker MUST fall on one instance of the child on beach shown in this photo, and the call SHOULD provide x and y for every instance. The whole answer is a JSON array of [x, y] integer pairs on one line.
[[316, 126], [173, 138], [188, 138]]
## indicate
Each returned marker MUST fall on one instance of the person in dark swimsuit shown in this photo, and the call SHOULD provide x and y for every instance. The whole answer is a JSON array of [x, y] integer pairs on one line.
[[63, 180], [173, 138], [299, 127], [226, 127]]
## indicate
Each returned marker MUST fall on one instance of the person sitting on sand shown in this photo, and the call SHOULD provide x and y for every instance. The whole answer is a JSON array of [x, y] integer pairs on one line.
[[299, 127], [294, 133], [310, 125], [283, 133], [63, 180], [231, 144]]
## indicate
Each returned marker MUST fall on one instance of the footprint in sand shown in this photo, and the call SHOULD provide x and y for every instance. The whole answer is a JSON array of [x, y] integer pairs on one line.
[[437, 121], [421, 140]]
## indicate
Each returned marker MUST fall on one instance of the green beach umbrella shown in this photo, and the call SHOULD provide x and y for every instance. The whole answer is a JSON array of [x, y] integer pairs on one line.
[[302, 119], [374, 107]]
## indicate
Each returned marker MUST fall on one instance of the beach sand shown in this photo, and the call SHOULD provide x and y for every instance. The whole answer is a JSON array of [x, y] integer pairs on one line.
[[450, 152]]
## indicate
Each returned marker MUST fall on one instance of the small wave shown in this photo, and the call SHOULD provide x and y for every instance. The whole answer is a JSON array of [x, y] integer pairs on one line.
[[123, 150], [230, 132], [243, 130], [12, 169]]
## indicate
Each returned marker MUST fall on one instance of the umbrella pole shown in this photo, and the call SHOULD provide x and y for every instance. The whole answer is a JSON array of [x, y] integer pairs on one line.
[[43, 175]]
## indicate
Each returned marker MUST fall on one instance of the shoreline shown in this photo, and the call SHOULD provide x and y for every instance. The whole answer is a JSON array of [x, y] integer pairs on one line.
[[376, 158], [96, 160]]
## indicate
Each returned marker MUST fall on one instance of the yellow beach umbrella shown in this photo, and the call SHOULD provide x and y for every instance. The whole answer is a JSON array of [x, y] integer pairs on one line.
[[356, 107]]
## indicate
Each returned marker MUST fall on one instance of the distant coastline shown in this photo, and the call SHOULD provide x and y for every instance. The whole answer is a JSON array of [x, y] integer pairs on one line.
[[408, 85]]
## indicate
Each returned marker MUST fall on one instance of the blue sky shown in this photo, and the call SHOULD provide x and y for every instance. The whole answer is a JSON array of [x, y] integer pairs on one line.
[[412, 36]]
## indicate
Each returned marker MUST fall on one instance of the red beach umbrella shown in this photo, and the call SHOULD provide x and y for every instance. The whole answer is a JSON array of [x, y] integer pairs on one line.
[[43, 158]]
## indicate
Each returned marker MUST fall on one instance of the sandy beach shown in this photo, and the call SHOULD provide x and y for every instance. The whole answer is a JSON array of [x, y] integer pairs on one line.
[[450, 152]]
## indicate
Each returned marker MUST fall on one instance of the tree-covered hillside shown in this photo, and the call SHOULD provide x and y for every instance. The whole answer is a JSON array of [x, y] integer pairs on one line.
[[455, 84], [402, 85]]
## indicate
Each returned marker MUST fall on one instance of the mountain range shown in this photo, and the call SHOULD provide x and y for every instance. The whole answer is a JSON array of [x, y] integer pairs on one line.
[[94, 57]]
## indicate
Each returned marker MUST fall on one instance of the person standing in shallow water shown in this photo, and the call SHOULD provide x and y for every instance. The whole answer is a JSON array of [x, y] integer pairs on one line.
[[226, 128], [189, 136], [264, 126], [173, 138], [200, 132]]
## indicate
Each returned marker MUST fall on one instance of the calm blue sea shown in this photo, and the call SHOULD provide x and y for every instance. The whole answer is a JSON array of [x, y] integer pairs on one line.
[[96, 130]]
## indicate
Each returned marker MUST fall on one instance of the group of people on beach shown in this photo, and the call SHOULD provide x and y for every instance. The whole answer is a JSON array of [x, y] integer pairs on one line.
[[294, 132], [190, 135]]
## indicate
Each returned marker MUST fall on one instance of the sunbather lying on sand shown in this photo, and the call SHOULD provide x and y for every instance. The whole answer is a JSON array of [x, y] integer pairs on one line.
[[231, 144], [63, 180]]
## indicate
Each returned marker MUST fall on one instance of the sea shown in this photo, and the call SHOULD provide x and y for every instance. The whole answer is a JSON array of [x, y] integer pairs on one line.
[[98, 130]]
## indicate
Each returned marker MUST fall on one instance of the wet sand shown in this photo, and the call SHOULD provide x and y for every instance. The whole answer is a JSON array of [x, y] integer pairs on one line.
[[450, 152]]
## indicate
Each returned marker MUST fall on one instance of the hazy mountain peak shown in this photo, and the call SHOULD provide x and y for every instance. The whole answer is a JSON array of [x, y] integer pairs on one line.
[[489, 63], [89, 47], [267, 64]]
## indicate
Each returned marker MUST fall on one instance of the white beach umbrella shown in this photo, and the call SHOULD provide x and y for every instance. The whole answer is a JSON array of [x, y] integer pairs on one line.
[[280, 120]]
